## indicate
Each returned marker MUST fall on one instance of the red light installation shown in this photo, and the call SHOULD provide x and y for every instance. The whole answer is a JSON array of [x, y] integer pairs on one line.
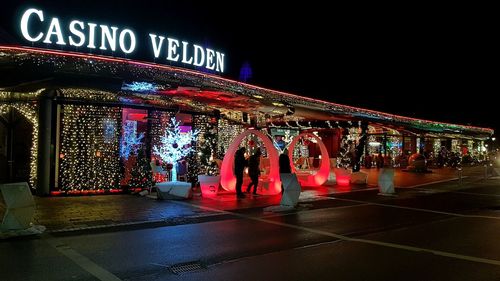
[[270, 185], [319, 177]]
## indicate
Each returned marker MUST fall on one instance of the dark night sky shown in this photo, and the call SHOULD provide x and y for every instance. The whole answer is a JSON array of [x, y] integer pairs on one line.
[[421, 61]]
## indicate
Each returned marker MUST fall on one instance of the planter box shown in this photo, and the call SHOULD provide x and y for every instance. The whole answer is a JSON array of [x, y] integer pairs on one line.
[[209, 185]]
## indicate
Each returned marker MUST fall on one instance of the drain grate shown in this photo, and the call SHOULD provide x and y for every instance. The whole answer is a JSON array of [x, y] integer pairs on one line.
[[186, 267]]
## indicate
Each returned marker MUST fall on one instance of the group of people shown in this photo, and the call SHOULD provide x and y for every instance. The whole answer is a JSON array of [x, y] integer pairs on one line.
[[253, 164]]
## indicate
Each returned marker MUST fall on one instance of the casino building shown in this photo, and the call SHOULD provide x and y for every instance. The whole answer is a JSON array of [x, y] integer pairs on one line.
[[68, 118]]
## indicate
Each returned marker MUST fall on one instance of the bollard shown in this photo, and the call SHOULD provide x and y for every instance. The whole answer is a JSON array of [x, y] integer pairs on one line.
[[460, 174], [485, 171]]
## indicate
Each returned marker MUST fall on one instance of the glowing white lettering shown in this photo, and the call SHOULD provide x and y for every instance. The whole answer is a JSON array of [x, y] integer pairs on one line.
[[219, 62], [92, 27], [24, 24], [131, 36], [210, 59], [172, 49], [107, 36], [156, 47], [199, 55], [79, 33], [54, 29], [76, 32], [185, 53]]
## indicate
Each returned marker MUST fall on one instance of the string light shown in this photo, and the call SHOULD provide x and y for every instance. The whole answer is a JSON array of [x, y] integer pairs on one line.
[[206, 149], [90, 139], [174, 145], [91, 64], [227, 133], [30, 112]]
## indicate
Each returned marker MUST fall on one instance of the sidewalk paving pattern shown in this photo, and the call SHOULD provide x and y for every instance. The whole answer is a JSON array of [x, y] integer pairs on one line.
[[77, 213]]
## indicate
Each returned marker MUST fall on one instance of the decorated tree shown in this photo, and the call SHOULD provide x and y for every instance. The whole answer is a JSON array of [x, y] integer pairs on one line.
[[141, 175], [207, 152], [174, 145]]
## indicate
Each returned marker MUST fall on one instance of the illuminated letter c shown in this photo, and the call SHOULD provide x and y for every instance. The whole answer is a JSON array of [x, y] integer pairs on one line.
[[24, 24]]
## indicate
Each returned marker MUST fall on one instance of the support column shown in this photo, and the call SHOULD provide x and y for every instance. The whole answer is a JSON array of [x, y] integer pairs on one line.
[[360, 149], [10, 145], [384, 144], [44, 142]]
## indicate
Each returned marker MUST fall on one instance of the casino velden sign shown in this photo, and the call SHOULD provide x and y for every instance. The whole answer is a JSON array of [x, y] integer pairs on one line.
[[37, 27]]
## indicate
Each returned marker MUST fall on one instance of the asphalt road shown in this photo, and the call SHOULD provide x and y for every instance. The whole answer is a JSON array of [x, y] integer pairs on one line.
[[437, 232]]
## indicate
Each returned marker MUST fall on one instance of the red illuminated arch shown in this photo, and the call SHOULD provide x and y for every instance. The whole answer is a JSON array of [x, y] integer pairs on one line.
[[320, 176], [270, 186]]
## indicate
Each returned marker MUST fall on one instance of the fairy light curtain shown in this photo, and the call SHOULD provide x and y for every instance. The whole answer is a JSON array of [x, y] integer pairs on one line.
[[90, 147]]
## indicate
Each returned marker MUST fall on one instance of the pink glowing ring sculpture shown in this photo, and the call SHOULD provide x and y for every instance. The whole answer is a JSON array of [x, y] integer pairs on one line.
[[269, 186], [319, 177]]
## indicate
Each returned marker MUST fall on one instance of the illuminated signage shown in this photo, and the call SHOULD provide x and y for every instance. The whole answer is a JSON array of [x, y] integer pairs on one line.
[[103, 37]]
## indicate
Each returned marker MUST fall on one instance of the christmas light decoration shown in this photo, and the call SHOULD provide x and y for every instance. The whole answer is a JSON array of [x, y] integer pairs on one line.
[[206, 147], [436, 147], [174, 145], [30, 112], [227, 133], [131, 141], [141, 176], [113, 67], [141, 87], [89, 148]]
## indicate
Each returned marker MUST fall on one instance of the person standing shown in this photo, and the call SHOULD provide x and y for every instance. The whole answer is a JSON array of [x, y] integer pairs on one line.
[[285, 167], [239, 166], [254, 171]]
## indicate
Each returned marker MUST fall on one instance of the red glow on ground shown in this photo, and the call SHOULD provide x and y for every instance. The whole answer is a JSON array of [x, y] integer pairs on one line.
[[56, 193], [343, 180]]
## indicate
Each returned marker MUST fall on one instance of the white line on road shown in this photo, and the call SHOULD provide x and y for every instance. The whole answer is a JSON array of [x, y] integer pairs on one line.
[[316, 210], [418, 209], [82, 261], [431, 183], [365, 241]]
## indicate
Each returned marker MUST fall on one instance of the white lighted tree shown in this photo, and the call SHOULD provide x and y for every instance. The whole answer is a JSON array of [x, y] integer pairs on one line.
[[174, 145]]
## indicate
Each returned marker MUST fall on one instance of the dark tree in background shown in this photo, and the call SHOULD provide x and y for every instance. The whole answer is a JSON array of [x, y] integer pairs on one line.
[[208, 152], [360, 148], [141, 175]]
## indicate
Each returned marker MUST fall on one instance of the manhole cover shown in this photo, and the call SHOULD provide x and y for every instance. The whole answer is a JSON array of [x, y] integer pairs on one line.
[[186, 267]]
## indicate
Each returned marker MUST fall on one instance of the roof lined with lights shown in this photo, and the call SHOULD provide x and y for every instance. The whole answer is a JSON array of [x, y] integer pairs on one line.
[[196, 87]]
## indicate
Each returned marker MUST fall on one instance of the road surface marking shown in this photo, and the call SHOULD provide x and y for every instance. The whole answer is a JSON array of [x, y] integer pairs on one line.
[[359, 240], [315, 210], [430, 183], [82, 261], [419, 209]]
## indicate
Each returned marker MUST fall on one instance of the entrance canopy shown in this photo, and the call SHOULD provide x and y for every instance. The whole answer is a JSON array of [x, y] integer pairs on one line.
[[25, 70]]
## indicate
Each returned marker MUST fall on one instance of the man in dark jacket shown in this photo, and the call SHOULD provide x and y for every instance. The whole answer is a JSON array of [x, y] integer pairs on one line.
[[239, 166], [254, 171]]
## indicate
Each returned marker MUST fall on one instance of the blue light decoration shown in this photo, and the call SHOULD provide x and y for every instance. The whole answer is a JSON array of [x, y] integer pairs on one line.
[[131, 140], [143, 87], [109, 127], [245, 72]]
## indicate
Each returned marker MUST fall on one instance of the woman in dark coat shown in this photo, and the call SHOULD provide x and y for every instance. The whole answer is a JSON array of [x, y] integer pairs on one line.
[[239, 166]]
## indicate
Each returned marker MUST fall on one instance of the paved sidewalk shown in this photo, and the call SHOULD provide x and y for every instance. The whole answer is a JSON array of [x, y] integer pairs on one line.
[[60, 214]]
